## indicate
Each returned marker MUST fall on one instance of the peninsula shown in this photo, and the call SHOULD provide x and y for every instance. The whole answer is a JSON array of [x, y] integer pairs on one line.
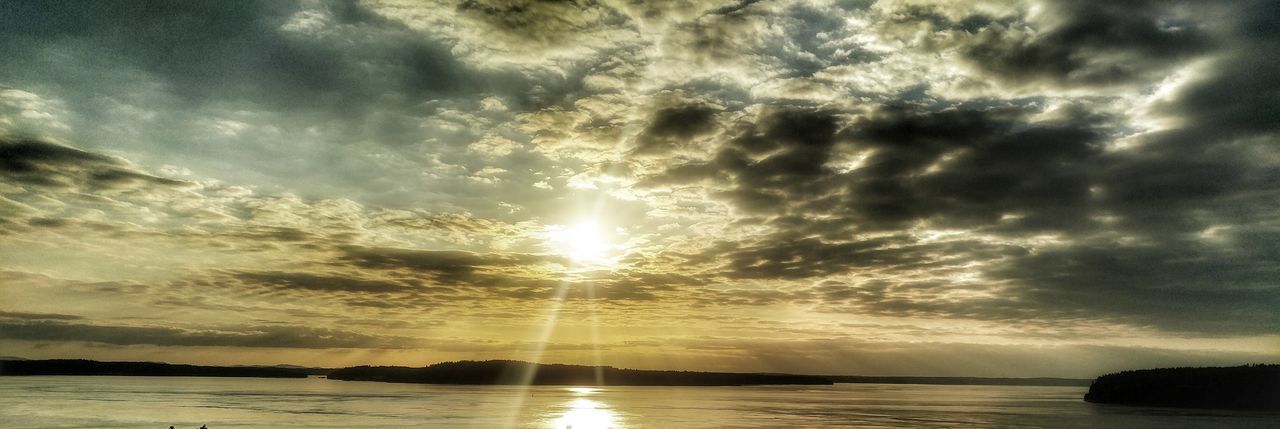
[[1250, 387]]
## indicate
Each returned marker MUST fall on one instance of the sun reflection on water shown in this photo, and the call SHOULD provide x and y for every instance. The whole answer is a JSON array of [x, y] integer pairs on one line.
[[584, 413]]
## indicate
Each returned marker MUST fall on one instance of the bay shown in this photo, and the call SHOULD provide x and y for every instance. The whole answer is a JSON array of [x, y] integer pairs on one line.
[[228, 403]]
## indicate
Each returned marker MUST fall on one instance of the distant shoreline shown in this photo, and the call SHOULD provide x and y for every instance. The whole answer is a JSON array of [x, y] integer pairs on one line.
[[584, 375], [497, 372], [147, 369], [963, 381]]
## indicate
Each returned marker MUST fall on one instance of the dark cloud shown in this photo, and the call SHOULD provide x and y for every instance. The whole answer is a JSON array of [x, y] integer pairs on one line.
[[283, 336], [971, 168], [36, 316], [1236, 97], [448, 264], [503, 273], [1175, 285], [997, 172], [717, 38], [542, 22], [954, 167], [936, 20], [319, 282], [1188, 241], [1169, 188], [278, 233], [40, 163], [672, 127], [207, 49], [788, 255], [1089, 43], [793, 146], [733, 8]]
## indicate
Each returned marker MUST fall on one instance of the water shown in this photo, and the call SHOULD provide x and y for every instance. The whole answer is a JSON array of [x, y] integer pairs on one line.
[[227, 403]]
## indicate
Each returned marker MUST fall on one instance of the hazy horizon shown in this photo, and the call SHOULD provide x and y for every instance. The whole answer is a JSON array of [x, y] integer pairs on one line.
[[910, 188]]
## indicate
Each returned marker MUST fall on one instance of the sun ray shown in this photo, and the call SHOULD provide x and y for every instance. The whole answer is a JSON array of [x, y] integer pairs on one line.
[[594, 320], [582, 244], [535, 354]]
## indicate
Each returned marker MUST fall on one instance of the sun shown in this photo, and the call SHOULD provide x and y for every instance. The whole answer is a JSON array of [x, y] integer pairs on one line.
[[584, 243]]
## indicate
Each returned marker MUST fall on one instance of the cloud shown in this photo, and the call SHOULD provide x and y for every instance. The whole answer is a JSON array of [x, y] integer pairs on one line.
[[784, 154], [542, 23], [524, 277], [287, 73], [1178, 286], [318, 282], [247, 38], [973, 167], [1089, 43], [447, 266], [955, 167], [44, 164], [243, 336], [997, 178], [1233, 96], [37, 316], [671, 127]]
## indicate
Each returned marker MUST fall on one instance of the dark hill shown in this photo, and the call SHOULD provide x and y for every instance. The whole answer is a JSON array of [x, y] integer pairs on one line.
[[509, 372], [1251, 387], [90, 367]]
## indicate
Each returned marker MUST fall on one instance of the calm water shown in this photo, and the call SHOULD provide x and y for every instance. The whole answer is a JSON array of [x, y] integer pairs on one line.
[[226, 403]]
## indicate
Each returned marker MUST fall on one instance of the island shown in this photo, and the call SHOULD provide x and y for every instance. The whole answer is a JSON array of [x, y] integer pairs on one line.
[[1249, 387], [92, 367], [509, 372]]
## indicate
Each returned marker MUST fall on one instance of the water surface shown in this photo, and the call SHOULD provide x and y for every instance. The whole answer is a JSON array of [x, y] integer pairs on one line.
[[227, 403]]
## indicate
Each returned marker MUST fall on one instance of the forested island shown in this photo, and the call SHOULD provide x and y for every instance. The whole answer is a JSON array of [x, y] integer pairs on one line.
[[1250, 387], [91, 367], [506, 372]]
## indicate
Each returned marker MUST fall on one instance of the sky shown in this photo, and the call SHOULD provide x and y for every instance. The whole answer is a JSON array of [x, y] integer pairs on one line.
[[977, 188]]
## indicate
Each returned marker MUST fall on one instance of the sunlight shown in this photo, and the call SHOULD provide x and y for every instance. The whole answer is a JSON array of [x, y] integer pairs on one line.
[[535, 355], [583, 391], [584, 243], [586, 414]]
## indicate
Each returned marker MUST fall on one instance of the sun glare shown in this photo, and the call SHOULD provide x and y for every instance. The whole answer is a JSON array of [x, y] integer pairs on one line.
[[584, 243], [586, 414]]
